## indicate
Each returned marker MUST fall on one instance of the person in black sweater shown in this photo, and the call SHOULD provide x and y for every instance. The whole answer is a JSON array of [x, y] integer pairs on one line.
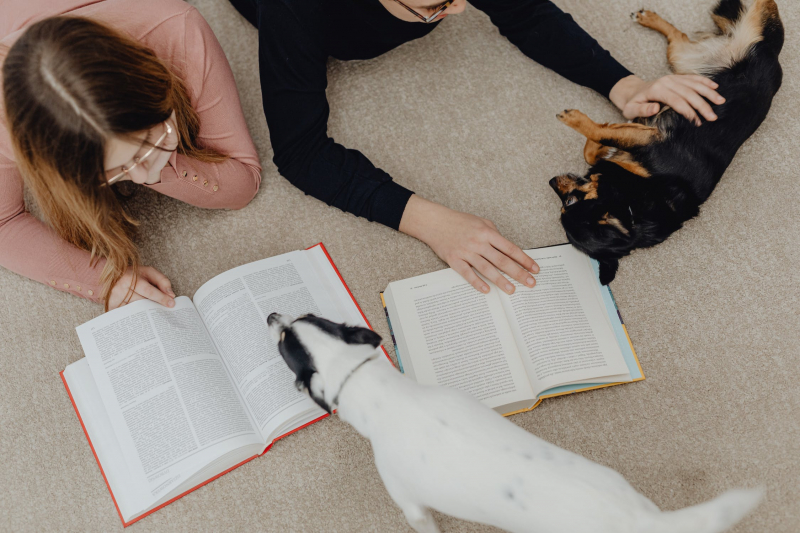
[[296, 38]]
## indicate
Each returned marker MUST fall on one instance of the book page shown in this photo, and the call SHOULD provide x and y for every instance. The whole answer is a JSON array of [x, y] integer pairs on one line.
[[235, 306], [460, 338], [168, 395], [104, 441], [561, 326]]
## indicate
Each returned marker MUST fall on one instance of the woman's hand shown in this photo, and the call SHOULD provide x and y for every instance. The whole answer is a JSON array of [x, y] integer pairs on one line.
[[468, 243], [151, 285], [685, 93]]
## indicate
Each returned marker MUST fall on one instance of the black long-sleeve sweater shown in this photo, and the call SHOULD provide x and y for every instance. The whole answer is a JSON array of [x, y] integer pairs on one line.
[[296, 38]]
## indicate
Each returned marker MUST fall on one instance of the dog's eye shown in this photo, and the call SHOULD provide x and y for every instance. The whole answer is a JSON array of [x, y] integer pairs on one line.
[[571, 200]]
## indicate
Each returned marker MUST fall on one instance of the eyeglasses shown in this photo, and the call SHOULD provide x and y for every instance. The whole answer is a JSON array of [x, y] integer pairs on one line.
[[427, 20], [138, 160]]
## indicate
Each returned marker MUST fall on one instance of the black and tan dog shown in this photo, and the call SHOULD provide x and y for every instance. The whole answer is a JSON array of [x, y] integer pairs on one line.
[[648, 177]]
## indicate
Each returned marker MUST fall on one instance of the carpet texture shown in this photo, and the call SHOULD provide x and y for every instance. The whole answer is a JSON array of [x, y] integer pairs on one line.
[[463, 118]]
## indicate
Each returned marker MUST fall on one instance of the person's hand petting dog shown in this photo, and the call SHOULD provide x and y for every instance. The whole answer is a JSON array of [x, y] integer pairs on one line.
[[150, 285], [687, 94], [468, 244]]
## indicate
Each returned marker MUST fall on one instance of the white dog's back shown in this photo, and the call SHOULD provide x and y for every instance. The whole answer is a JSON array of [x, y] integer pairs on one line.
[[444, 450], [438, 448]]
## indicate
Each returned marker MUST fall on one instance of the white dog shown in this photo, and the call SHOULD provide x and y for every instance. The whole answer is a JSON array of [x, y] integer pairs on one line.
[[438, 448]]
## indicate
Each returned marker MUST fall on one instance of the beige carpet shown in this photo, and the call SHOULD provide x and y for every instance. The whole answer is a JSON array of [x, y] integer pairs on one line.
[[713, 313]]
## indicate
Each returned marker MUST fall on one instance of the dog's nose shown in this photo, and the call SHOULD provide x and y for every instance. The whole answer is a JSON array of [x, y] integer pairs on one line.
[[272, 318]]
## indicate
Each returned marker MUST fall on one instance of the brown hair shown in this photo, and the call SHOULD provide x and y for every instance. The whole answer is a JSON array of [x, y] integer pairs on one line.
[[69, 85]]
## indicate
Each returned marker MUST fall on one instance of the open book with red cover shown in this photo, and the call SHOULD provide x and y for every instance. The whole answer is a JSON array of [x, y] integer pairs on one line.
[[171, 399]]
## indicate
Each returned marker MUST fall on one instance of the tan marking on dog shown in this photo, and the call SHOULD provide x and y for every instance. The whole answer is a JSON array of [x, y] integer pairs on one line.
[[615, 222], [676, 38], [628, 135], [565, 184], [725, 25], [626, 161], [589, 190], [711, 55], [594, 151]]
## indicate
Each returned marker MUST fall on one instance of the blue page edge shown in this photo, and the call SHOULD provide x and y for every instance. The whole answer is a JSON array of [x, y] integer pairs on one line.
[[619, 333]]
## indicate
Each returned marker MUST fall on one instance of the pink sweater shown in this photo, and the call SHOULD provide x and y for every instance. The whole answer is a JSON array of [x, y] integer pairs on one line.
[[183, 40]]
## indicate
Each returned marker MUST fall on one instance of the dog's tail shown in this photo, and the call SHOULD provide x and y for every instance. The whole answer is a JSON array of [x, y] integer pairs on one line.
[[758, 22], [714, 516], [727, 13], [772, 26]]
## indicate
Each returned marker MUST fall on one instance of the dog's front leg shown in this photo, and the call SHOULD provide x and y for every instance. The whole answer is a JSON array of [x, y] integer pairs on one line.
[[418, 516], [622, 136], [594, 152]]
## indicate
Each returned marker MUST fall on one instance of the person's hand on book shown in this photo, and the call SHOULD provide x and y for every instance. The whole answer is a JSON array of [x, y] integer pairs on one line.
[[150, 285], [469, 244]]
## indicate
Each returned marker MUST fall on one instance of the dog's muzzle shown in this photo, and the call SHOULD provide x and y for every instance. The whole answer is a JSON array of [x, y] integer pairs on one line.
[[273, 318]]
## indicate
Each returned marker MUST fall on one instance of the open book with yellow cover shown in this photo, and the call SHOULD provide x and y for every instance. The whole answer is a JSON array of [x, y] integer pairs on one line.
[[562, 336]]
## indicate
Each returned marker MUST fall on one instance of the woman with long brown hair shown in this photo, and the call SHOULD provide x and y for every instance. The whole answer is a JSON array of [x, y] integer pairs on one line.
[[95, 93]]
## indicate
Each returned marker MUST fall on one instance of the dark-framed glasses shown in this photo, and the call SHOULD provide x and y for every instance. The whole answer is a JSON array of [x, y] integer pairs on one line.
[[141, 159], [427, 20]]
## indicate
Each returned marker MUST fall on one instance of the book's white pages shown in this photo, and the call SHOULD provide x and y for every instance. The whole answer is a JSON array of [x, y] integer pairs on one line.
[[235, 306], [507, 350], [166, 394], [173, 397], [457, 337], [561, 326]]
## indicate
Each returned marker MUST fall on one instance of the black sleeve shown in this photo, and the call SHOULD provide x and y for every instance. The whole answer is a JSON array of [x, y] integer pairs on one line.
[[293, 69], [553, 39]]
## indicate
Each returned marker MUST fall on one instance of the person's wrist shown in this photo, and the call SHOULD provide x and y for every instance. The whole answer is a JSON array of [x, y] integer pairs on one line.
[[624, 90], [417, 217]]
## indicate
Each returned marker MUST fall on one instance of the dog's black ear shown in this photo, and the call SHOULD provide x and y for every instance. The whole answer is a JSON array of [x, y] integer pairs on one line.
[[356, 335], [608, 270]]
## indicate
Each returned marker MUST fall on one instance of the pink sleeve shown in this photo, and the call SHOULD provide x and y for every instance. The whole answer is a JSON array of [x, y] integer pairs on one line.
[[32, 249], [209, 80]]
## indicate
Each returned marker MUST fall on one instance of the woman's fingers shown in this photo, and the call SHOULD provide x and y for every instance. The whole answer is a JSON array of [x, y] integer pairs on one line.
[[150, 284], [704, 90], [134, 297], [144, 288], [120, 293], [466, 272], [679, 104], [491, 273], [635, 110], [159, 280], [515, 252], [696, 101], [125, 299], [510, 267], [687, 95], [708, 82]]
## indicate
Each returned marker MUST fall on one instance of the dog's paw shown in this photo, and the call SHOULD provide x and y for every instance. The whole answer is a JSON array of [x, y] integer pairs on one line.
[[645, 18], [570, 117]]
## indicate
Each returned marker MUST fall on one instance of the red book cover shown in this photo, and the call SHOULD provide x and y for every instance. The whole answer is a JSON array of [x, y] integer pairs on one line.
[[126, 524]]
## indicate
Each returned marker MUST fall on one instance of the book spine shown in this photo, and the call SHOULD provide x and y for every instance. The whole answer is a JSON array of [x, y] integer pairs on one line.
[[616, 307], [391, 333], [330, 259]]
